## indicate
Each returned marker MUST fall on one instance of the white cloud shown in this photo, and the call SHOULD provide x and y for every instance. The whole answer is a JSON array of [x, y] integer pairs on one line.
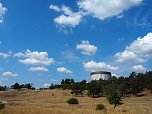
[[9, 74], [64, 70], [46, 85], [71, 20], [36, 58], [103, 9], [139, 68], [86, 48], [139, 51], [98, 66], [19, 54], [142, 46], [55, 8], [128, 56], [38, 69], [115, 75], [4, 55], [2, 12], [68, 18]]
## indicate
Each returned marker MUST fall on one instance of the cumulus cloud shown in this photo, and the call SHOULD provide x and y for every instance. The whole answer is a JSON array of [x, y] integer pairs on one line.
[[138, 51], [64, 70], [128, 56], [139, 68], [9, 74], [103, 9], [2, 12], [19, 55], [68, 18], [142, 46], [98, 66], [38, 69], [4, 55], [86, 48], [35, 58]]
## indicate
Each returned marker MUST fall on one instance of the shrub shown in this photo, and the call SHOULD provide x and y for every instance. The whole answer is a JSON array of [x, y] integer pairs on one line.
[[72, 101], [100, 107], [2, 105]]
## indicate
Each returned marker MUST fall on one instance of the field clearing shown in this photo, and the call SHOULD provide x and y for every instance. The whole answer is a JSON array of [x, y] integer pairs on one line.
[[54, 102]]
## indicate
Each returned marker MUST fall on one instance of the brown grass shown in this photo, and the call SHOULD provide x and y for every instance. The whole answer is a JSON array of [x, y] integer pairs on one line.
[[43, 102]]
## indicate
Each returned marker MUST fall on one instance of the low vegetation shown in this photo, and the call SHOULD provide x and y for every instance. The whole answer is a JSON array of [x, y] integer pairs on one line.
[[72, 101], [42, 102], [109, 92], [3, 88], [100, 107], [2, 105]]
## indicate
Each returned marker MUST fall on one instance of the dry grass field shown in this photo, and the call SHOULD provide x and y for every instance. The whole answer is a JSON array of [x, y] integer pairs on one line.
[[54, 102]]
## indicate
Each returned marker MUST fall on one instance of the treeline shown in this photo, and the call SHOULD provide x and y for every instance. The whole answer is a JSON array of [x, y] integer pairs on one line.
[[3, 88], [134, 84], [125, 86], [17, 86]]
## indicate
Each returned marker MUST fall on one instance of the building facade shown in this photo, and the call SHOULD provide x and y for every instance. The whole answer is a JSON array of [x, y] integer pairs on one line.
[[100, 74]]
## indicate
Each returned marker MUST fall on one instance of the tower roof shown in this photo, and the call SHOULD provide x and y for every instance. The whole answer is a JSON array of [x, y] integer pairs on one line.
[[101, 72]]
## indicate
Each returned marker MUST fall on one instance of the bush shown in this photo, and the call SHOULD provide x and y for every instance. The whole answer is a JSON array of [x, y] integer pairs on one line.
[[100, 107], [72, 101], [2, 105]]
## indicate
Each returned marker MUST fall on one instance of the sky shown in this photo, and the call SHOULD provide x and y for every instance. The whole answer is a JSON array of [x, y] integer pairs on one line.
[[44, 41]]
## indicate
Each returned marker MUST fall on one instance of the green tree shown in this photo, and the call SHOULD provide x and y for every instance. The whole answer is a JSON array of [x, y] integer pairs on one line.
[[69, 81], [3, 88], [72, 81], [83, 82], [133, 74], [52, 86], [148, 80], [28, 86], [16, 86], [62, 82], [135, 85], [114, 98], [95, 89], [77, 89]]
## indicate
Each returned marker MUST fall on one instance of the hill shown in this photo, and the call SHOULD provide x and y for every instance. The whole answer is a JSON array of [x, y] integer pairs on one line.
[[54, 102]]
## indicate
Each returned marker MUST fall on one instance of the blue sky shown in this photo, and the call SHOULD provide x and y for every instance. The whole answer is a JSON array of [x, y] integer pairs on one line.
[[44, 41]]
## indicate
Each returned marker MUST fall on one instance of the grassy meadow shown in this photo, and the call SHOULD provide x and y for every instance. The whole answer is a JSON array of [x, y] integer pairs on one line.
[[54, 102]]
